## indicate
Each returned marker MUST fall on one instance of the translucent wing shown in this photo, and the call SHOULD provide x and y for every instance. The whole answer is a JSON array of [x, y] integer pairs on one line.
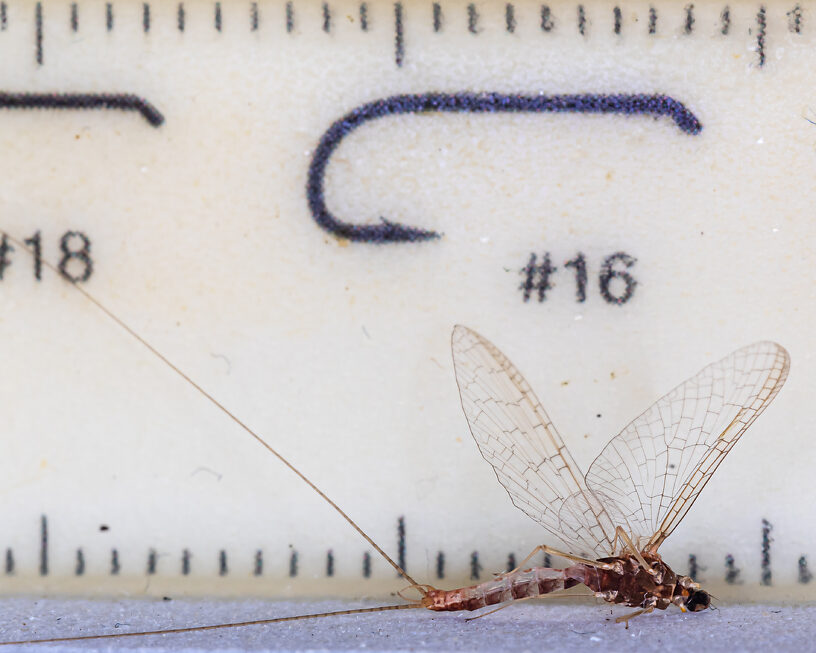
[[650, 474], [517, 438]]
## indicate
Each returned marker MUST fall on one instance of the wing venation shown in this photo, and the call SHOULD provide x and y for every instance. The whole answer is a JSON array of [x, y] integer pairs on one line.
[[651, 473], [517, 438]]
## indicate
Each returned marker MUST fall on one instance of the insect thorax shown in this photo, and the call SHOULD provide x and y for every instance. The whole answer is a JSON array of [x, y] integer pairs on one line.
[[629, 584]]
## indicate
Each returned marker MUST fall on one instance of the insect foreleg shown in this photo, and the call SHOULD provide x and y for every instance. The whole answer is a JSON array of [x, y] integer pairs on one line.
[[622, 535]]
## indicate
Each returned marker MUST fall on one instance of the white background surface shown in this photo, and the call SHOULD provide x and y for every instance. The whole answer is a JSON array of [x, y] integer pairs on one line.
[[338, 352]]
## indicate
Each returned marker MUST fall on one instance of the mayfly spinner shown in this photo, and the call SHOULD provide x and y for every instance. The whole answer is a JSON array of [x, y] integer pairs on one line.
[[636, 491], [634, 495]]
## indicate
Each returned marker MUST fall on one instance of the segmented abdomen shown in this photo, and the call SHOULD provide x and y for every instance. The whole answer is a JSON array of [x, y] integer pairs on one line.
[[520, 585]]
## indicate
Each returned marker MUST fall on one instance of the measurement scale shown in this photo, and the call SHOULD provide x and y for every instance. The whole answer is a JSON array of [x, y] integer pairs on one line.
[[295, 202]]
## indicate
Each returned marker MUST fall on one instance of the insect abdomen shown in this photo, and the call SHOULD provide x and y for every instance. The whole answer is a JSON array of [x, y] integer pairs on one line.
[[519, 585]]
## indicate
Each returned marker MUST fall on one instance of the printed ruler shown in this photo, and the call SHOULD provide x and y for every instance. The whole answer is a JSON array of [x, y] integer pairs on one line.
[[294, 202]]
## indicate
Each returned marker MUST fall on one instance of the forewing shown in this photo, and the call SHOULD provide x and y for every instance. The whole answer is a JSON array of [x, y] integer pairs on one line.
[[517, 438], [650, 474]]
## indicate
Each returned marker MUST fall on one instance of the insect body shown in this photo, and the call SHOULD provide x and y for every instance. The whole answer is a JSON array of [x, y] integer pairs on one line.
[[621, 579], [636, 491]]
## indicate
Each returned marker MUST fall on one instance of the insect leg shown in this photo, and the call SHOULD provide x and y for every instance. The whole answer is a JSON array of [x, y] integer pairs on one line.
[[570, 556], [501, 607], [521, 564], [561, 554], [620, 533], [560, 595], [625, 619]]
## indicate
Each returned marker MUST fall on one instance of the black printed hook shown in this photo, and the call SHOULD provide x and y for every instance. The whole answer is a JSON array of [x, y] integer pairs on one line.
[[115, 101], [391, 232]]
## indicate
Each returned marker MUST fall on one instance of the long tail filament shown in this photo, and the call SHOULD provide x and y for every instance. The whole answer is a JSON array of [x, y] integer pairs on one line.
[[195, 629], [218, 405]]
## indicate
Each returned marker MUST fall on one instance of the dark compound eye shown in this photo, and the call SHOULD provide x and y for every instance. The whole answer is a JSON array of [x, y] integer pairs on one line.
[[699, 600]]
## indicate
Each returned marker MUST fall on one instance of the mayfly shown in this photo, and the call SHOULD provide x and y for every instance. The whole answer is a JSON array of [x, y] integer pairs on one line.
[[634, 495], [636, 491]]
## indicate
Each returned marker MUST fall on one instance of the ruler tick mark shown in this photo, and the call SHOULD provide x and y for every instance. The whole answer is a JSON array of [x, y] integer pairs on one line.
[[43, 545], [5, 250], [3, 17], [618, 20], [109, 16], [652, 20], [366, 565], [329, 563], [74, 17], [115, 567], [185, 562], [795, 20], [547, 20], [694, 568], [290, 17], [38, 33], [475, 566], [688, 28], [223, 570], [761, 27], [805, 575], [399, 35], [440, 565], [437, 17], [582, 20], [473, 19], [146, 17], [732, 572], [253, 17], [511, 562], [401, 546], [725, 19], [509, 18], [218, 16], [766, 552], [180, 17], [326, 17], [293, 563], [9, 562], [364, 16], [258, 568], [151, 562], [79, 568]]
